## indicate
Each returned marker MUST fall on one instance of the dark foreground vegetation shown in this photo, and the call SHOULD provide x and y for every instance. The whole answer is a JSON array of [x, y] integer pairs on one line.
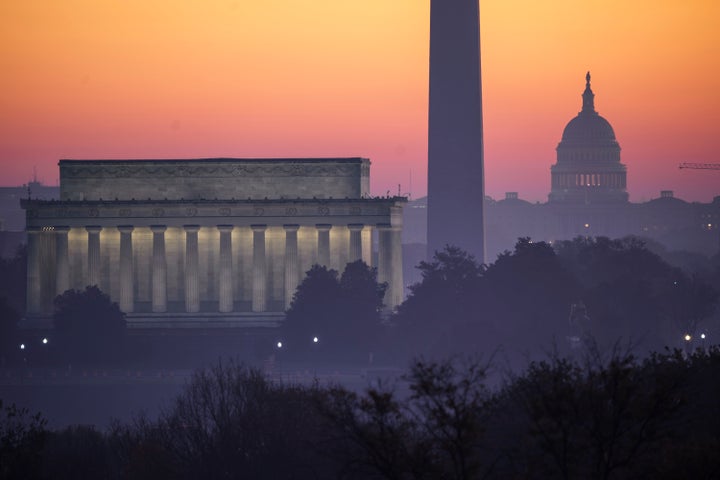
[[597, 417], [560, 399], [540, 293], [516, 307]]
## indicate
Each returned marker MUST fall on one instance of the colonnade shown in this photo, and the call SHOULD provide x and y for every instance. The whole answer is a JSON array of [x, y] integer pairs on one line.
[[570, 180], [389, 264]]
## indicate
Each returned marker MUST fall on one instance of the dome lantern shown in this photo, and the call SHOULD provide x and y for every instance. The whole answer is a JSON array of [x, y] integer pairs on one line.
[[588, 97]]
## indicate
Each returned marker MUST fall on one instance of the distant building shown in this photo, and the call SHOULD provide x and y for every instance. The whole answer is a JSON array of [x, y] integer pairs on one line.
[[588, 197], [588, 168], [12, 217], [208, 242]]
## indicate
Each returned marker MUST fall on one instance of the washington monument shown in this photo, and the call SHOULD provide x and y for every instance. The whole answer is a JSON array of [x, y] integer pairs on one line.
[[456, 184]]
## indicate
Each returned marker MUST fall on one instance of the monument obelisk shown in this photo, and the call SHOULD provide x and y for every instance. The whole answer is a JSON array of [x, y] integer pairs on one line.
[[456, 184]]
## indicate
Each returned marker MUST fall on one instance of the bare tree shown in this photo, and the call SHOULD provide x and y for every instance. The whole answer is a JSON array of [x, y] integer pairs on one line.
[[232, 422], [598, 420], [437, 431], [22, 436]]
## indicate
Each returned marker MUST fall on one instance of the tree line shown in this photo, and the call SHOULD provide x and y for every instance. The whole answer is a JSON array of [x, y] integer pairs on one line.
[[611, 416], [529, 299]]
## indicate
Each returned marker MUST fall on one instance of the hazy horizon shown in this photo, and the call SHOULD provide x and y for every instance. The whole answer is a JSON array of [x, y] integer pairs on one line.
[[323, 78]]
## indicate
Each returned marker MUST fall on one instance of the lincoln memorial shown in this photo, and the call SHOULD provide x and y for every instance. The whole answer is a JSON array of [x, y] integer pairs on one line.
[[206, 242]]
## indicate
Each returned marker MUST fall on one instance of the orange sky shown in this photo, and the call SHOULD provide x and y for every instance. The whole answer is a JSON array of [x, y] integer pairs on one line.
[[249, 78]]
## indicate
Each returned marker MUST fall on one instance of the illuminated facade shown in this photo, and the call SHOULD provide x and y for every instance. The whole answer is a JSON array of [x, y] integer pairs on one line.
[[209, 242]]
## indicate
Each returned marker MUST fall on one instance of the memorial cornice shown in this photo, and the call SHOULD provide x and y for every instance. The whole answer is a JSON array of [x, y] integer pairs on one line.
[[209, 212]]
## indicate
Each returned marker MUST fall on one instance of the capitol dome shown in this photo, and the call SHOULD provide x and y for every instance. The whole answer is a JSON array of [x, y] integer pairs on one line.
[[589, 128], [588, 168]]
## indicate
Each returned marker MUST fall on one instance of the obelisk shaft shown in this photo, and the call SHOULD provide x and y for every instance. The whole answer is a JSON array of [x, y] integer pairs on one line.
[[455, 131]]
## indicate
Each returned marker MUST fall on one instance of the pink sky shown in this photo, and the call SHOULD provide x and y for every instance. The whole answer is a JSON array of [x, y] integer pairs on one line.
[[166, 79]]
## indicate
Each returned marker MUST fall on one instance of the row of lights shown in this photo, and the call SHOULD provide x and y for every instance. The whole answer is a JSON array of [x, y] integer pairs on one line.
[[708, 226], [314, 340], [44, 342], [689, 337]]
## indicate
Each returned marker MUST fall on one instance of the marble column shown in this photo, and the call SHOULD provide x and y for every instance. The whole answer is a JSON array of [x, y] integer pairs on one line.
[[384, 255], [259, 281], [225, 290], [355, 241], [93, 277], [159, 269], [192, 282], [390, 264], [292, 265], [62, 260], [397, 287], [323, 245], [34, 289], [127, 298]]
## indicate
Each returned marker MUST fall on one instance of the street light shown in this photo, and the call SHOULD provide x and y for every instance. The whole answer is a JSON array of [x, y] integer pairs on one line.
[[279, 344], [688, 348], [315, 339], [22, 346], [44, 341]]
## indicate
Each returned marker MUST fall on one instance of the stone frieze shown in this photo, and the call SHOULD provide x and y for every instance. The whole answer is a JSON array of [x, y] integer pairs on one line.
[[237, 170]]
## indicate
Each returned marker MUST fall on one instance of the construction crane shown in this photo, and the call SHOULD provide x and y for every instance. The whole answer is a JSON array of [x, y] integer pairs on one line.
[[700, 166]]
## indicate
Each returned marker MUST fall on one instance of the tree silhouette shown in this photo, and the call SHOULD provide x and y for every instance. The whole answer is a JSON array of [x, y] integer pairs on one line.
[[438, 431], [13, 280], [22, 436], [631, 292], [362, 303], [598, 416], [450, 401], [436, 316], [528, 294], [314, 310], [8, 329], [89, 325], [596, 419], [518, 303], [378, 438], [342, 314], [230, 421]]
